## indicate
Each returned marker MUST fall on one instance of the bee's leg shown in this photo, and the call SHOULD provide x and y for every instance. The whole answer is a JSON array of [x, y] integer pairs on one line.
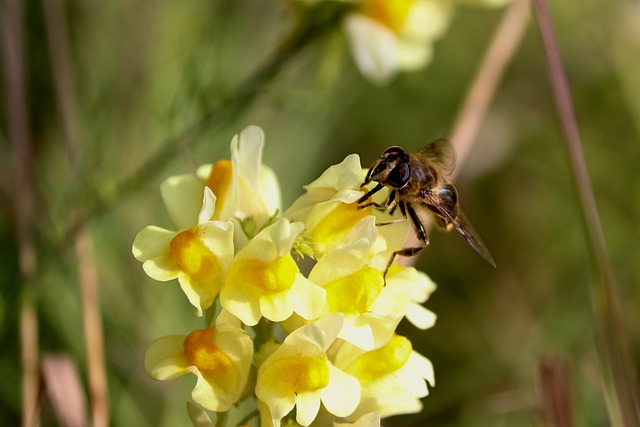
[[402, 210], [370, 193], [422, 236], [389, 202]]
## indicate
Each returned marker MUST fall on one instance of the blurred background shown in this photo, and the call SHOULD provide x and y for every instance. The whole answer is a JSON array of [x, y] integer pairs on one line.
[[109, 85]]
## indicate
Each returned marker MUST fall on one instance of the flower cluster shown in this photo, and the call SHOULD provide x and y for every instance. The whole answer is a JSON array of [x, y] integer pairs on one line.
[[311, 346]]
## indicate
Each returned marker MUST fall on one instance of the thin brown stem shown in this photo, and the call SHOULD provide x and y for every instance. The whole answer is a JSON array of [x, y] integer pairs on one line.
[[555, 392], [18, 132], [64, 83], [618, 369]]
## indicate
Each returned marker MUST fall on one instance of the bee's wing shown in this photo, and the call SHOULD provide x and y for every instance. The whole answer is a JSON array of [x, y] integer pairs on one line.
[[464, 227], [442, 154]]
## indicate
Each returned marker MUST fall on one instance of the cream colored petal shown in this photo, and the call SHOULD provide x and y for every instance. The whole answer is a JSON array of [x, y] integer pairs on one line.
[[340, 262], [204, 171], [427, 20], [182, 197], [200, 295], [164, 359], [241, 305], [420, 317], [208, 206], [422, 366], [346, 175], [413, 282], [276, 307], [212, 396], [272, 242], [315, 338], [151, 242], [270, 193], [342, 396], [414, 55], [388, 407], [307, 407], [309, 300], [371, 419], [217, 236], [161, 268], [373, 47], [358, 332]]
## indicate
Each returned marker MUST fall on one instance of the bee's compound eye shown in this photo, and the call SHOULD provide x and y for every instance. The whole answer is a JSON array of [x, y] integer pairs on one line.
[[399, 176]]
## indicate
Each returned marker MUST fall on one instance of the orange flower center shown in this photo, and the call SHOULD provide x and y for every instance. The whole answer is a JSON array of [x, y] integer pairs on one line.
[[219, 181], [193, 257]]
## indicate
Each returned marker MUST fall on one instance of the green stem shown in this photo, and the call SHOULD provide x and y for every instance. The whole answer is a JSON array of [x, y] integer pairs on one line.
[[618, 369]]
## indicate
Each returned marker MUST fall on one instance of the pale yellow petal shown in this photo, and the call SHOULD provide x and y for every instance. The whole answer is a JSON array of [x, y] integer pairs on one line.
[[373, 47], [307, 407], [182, 197], [164, 359], [342, 396]]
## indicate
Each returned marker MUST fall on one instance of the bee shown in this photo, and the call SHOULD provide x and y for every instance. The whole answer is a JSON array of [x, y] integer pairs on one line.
[[416, 181]]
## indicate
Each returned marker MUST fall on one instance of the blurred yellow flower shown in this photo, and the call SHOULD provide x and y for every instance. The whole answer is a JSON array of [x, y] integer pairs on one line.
[[393, 377], [198, 256], [264, 280], [386, 37], [298, 374], [220, 357]]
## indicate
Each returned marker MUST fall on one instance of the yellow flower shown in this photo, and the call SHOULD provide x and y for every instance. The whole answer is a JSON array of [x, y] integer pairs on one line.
[[299, 374], [264, 280], [198, 256], [220, 357], [393, 377], [372, 310], [390, 36], [328, 207], [244, 187]]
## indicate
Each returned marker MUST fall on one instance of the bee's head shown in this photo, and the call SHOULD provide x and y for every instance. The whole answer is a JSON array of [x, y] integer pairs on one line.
[[391, 169]]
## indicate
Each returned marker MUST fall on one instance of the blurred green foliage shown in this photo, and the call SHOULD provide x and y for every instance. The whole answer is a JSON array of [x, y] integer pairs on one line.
[[144, 71]]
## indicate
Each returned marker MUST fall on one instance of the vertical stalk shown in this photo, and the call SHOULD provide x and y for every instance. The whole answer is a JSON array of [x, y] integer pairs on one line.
[[64, 83], [617, 361], [18, 132]]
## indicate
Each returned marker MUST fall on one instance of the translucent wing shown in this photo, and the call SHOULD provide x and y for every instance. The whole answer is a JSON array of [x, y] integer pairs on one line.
[[464, 227], [441, 153]]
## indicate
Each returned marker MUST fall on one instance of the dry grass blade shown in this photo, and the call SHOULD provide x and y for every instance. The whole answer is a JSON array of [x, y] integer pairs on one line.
[[18, 132], [555, 399], [64, 390], [619, 372]]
